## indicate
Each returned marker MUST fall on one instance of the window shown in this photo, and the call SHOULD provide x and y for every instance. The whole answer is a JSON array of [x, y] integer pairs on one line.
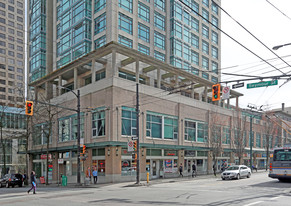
[[214, 8], [176, 29], [205, 75], [99, 5], [143, 12], [125, 41], [3, 21], [258, 139], [98, 123], [20, 56], [10, 8], [3, 36], [215, 21], [214, 67], [20, 70], [143, 32], [154, 126], [159, 40], [205, 47], [20, 19], [177, 62], [205, 63], [10, 31], [128, 119], [176, 47], [195, 41], [214, 79], [144, 49], [126, 4], [11, 76], [11, 23], [19, 11], [19, 4], [187, 18], [186, 35], [195, 24], [186, 52], [205, 15], [100, 42], [2, 51], [214, 37], [205, 31], [159, 56], [177, 11], [2, 28], [205, 3], [2, 5], [160, 4], [214, 52], [68, 128], [202, 132], [125, 23], [226, 135], [19, 33], [10, 16], [195, 58], [100, 23], [2, 13], [190, 131], [2, 43], [11, 53], [159, 21]]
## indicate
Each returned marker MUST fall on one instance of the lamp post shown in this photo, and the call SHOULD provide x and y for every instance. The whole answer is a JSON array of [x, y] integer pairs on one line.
[[279, 46], [78, 132]]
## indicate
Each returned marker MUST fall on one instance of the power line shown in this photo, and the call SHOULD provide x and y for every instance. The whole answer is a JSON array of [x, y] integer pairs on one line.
[[278, 9]]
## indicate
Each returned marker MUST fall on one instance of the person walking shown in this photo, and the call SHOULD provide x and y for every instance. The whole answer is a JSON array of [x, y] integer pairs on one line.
[[95, 173], [33, 182], [214, 169], [88, 174], [181, 170], [194, 174]]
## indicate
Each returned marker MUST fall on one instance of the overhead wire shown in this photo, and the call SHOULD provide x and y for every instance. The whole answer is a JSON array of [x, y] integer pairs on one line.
[[278, 9]]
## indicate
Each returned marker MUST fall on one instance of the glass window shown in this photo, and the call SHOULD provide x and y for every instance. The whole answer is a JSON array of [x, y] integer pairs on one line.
[[195, 58], [170, 128], [128, 121], [160, 4], [187, 52], [205, 3], [125, 41], [258, 140], [144, 49], [214, 37], [195, 41], [205, 75], [195, 24], [205, 47], [176, 47], [159, 40], [154, 126], [176, 29], [159, 56], [214, 8], [205, 31], [159, 21], [100, 42], [190, 131], [177, 11], [143, 32], [99, 5], [214, 67], [100, 23], [126, 4], [125, 23], [144, 12], [205, 62], [202, 132], [98, 123], [186, 35], [215, 21], [214, 52], [187, 18], [214, 79], [205, 15], [226, 135], [177, 62]]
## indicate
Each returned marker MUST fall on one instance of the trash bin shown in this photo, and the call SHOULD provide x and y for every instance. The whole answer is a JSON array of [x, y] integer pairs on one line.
[[64, 180]]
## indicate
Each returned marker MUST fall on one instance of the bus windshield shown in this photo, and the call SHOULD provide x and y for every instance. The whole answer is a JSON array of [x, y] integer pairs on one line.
[[282, 155]]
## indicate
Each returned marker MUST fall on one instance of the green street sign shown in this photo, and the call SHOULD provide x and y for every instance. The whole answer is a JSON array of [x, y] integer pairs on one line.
[[262, 84]]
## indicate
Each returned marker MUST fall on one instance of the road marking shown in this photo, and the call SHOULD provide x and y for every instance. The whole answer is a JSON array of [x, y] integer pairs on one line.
[[274, 198], [254, 203]]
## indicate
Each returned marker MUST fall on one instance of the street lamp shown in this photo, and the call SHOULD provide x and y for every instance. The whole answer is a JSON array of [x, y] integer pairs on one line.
[[279, 46], [78, 132]]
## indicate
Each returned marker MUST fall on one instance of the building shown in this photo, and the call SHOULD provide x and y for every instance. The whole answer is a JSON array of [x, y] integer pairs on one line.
[[12, 55], [181, 33], [12, 83]]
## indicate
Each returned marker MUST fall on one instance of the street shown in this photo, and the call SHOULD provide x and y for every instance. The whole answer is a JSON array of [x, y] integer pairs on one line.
[[205, 190]]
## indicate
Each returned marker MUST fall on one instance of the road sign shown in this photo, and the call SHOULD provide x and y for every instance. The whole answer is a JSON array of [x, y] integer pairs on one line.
[[225, 92], [134, 138], [130, 146], [234, 86], [262, 84], [60, 161]]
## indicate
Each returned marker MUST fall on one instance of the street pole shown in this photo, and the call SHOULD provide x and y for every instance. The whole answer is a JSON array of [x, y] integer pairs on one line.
[[78, 137], [251, 142], [137, 135]]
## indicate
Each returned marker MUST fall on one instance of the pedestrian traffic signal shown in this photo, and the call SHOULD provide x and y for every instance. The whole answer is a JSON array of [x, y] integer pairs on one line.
[[84, 149], [135, 145], [215, 92], [29, 108]]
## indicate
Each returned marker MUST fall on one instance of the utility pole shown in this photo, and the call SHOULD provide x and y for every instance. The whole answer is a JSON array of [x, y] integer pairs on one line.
[[137, 135], [251, 142], [78, 137]]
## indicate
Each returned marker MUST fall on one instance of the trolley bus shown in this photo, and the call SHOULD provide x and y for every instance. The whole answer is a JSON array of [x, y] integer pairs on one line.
[[280, 163]]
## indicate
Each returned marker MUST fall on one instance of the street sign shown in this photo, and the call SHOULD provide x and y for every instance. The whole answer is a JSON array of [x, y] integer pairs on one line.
[[225, 92], [238, 85], [134, 138], [262, 84], [60, 161], [130, 146]]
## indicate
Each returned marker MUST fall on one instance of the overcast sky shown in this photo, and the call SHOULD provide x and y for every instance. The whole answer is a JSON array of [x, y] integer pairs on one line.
[[272, 28]]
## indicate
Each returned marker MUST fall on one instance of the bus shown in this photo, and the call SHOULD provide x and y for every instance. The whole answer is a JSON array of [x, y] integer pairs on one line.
[[280, 163]]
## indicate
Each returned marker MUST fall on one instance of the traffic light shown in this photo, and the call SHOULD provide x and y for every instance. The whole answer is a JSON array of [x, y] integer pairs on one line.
[[215, 92], [134, 156], [84, 149], [29, 108], [135, 145]]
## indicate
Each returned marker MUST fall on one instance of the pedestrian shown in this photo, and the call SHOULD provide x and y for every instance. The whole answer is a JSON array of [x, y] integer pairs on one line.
[[88, 174], [33, 182], [194, 174], [181, 170], [95, 173], [214, 170]]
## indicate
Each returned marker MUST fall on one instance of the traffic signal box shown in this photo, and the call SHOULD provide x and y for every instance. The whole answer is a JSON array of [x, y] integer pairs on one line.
[[84, 149], [29, 108], [135, 145], [215, 92], [134, 156]]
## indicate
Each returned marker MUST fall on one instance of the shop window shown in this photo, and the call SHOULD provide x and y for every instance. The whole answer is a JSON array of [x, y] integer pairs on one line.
[[128, 167], [98, 124]]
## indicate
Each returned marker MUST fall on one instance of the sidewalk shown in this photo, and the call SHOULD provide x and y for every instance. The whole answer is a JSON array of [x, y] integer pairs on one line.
[[143, 182]]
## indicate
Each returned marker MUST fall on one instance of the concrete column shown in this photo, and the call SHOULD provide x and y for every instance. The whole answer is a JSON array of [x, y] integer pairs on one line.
[[236, 103], [137, 71], [192, 91], [111, 67], [93, 71], [205, 93], [76, 86], [159, 78], [59, 89]]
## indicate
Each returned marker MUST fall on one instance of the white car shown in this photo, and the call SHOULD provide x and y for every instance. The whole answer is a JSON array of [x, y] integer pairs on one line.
[[236, 172]]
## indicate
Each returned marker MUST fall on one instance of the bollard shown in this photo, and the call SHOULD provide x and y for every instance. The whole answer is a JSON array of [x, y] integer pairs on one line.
[[148, 177]]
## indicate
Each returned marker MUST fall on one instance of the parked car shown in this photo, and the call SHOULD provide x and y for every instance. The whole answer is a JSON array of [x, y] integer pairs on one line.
[[236, 172], [11, 180]]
